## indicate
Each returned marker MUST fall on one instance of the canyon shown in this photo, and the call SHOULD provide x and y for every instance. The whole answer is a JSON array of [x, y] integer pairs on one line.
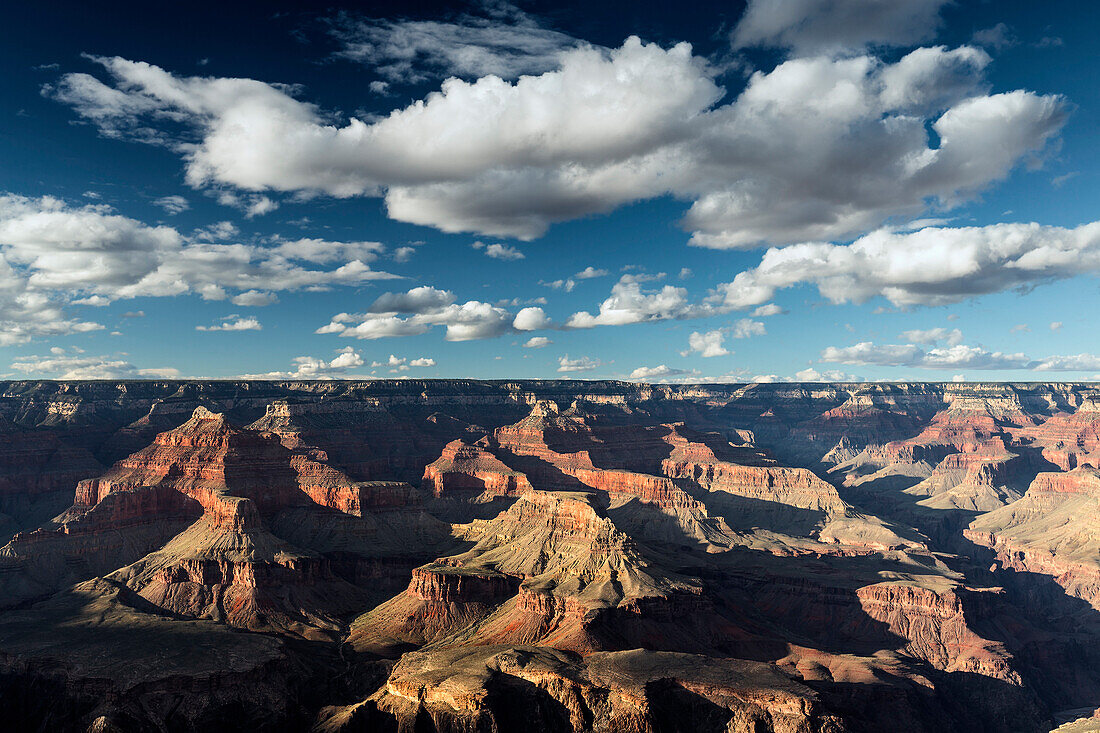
[[462, 555]]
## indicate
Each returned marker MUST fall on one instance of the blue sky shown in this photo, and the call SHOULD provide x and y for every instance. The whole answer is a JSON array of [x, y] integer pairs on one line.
[[805, 190]]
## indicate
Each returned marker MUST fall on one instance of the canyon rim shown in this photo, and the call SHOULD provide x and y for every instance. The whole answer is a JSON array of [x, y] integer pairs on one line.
[[493, 366]]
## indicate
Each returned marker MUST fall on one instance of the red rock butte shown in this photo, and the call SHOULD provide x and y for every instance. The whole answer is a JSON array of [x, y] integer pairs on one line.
[[562, 556]]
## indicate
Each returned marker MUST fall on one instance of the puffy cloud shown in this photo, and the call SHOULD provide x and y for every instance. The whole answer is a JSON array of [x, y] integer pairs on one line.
[[953, 357], [26, 316], [537, 342], [234, 323], [817, 148], [1073, 363], [836, 25], [403, 254], [373, 326], [590, 272], [216, 232], [96, 301], [26, 313], [85, 249], [1055, 325], [630, 303], [910, 355], [566, 285], [414, 312], [53, 254], [394, 361], [658, 372], [707, 344], [173, 204], [582, 364], [347, 359], [254, 298], [831, 375], [933, 266], [531, 319], [399, 364], [505, 42], [311, 367], [472, 320], [841, 145], [499, 251], [746, 328], [322, 251], [771, 309], [930, 336], [252, 205], [79, 366], [710, 343], [422, 299]]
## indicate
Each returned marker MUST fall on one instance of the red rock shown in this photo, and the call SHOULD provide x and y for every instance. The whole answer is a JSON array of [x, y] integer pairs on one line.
[[1053, 530], [470, 469]]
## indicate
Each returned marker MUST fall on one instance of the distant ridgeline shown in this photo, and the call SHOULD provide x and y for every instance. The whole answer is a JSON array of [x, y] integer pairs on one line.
[[462, 555]]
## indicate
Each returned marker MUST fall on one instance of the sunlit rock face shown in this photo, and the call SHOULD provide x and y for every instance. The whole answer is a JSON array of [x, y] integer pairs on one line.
[[580, 556]]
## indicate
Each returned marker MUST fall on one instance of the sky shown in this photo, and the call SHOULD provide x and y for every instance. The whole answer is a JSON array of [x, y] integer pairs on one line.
[[801, 190]]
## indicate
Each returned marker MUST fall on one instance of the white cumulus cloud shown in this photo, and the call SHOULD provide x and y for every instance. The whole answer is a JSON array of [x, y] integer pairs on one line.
[[79, 366], [953, 357], [54, 254], [662, 371], [312, 367], [933, 266], [581, 364], [820, 147], [416, 311], [254, 298], [232, 323], [499, 251], [629, 303], [708, 344], [929, 336]]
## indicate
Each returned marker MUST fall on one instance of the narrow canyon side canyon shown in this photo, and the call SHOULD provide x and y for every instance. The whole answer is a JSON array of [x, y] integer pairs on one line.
[[448, 555]]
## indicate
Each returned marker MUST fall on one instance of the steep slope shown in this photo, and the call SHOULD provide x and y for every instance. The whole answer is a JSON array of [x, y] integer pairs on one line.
[[227, 565], [1053, 530], [555, 451], [38, 472], [469, 473], [781, 500], [97, 654], [1069, 439], [967, 459], [538, 688], [564, 555], [549, 570]]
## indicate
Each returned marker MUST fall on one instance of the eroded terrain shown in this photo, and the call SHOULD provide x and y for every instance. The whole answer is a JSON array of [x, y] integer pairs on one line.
[[563, 556]]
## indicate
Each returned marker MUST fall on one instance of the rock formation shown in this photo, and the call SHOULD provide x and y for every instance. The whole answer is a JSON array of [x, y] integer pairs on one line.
[[1053, 530], [563, 556]]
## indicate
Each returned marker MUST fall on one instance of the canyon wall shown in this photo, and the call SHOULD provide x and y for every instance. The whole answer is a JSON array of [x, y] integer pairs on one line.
[[465, 555]]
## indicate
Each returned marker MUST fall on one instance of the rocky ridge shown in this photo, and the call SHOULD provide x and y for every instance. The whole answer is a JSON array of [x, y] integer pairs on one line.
[[589, 555]]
